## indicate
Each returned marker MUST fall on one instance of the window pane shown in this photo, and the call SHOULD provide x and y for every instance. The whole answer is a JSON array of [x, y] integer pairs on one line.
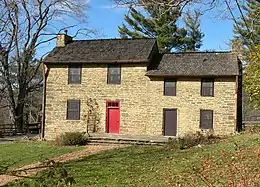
[[74, 74], [74, 78], [169, 83], [170, 91], [210, 91], [208, 84], [75, 71], [170, 87], [207, 116], [73, 116], [206, 119], [115, 79], [114, 74], [113, 104], [207, 91], [73, 110], [73, 105], [114, 70], [204, 92], [207, 87]]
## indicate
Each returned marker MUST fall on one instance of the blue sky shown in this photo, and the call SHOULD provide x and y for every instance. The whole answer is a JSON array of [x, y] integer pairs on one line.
[[105, 18]]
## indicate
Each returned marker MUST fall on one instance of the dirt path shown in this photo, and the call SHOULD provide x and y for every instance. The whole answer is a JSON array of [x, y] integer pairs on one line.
[[90, 150]]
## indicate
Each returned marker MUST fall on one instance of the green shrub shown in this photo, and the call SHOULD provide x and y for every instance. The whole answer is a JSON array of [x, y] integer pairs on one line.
[[192, 139], [71, 138]]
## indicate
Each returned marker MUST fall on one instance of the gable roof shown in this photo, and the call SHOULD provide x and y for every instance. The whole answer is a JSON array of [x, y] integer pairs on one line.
[[197, 64], [102, 51]]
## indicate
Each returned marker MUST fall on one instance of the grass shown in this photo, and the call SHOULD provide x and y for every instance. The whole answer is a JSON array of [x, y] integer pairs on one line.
[[21, 153], [153, 166], [233, 162]]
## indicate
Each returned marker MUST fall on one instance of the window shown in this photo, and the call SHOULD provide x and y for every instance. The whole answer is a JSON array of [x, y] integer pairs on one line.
[[207, 87], [206, 119], [75, 73], [114, 74], [170, 87], [113, 104], [73, 109]]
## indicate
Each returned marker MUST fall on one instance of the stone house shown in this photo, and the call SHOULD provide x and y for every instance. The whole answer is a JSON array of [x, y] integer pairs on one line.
[[125, 86]]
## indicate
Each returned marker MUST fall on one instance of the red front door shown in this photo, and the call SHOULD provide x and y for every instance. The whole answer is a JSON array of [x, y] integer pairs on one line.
[[113, 117]]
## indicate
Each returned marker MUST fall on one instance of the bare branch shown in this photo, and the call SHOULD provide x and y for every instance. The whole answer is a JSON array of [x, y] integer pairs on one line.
[[24, 28]]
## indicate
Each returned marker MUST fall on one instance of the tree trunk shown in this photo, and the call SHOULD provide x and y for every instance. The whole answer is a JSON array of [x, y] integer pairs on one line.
[[19, 122], [19, 110]]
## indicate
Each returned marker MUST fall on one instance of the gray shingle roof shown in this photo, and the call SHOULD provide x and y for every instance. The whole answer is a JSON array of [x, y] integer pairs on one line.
[[197, 64], [88, 51]]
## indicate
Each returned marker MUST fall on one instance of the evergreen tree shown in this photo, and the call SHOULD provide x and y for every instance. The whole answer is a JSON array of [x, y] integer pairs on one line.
[[160, 22], [193, 41], [248, 29]]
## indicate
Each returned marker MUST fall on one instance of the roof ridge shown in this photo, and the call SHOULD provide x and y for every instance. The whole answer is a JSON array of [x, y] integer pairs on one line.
[[196, 52], [106, 39]]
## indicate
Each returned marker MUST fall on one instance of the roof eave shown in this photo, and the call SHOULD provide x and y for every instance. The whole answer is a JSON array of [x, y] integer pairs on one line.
[[169, 75]]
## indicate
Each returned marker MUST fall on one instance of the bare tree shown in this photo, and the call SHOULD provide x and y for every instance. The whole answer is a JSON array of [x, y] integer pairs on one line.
[[171, 4], [144, 3], [25, 25]]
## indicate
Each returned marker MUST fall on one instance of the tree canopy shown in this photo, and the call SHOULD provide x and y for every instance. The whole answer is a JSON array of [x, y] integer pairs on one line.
[[252, 77], [161, 22], [154, 25], [248, 28], [193, 41]]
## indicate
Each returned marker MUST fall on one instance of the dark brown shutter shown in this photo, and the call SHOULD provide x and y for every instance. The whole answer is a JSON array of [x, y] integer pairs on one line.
[[75, 73], [207, 87], [170, 87], [206, 119], [114, 74], [73, 109]]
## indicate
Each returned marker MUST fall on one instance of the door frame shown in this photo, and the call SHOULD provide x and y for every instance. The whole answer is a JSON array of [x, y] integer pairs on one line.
[[169, 109], [107, 112]]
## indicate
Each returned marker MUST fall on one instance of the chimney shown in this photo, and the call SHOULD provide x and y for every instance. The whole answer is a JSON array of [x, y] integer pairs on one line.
[[237, 47], [63, 39]]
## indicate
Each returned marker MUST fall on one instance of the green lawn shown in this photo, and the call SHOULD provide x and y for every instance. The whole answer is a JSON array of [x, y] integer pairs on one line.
[[235, 161], [153, 166], [21, 153]]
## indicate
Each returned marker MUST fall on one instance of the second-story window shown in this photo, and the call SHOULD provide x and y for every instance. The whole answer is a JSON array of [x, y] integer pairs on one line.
[[207, 87], [114, 74], [170, 87], [74, 74]]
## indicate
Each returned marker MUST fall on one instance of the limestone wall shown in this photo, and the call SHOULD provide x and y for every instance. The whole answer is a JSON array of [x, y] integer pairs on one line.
[[188, 103], [141, 101]]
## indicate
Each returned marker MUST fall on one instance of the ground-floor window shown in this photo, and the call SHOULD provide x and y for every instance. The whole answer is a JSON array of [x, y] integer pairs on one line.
[[73, 109], [206, 119]]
